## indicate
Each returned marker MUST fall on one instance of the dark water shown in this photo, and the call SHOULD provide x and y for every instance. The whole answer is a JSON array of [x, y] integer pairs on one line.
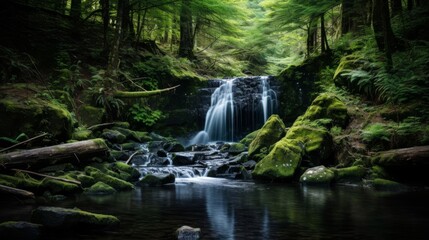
[[226, 209]]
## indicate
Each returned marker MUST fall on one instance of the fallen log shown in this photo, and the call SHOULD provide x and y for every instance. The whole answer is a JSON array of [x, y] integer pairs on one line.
[[16, 192], [48, 176], [403, 157], [68, 152]]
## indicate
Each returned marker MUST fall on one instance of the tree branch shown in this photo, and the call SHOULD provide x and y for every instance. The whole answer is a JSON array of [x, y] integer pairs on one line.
[[142, 94]]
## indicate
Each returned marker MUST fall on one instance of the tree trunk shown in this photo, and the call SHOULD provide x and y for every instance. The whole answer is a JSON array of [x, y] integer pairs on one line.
[[76, 9], [382, 29], [396, 6], [142, 94], [16, 192], [60, 6], [324, 39], [105, 8], [346, 16], [69, 152], [413, 156], [410, 4], [186, 46]]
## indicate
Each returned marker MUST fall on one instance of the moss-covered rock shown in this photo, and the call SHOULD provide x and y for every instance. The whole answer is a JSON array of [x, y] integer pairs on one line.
[[60, 187], [20, 230], [385, 185], [319, 175], [85, 180], [100, 188], [272, 131], [64, 218], [233, 148], [133, 173], [157, 179], [352, 174], [317, 142], [20, 180], [82, 135], [281, 163], [113, 136], [89, 115], [328, 106], [249, 138], [23, 110], [114, 182]]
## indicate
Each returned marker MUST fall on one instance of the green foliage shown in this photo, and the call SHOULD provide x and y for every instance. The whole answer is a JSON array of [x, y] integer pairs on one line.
[[68, 74], [376, 133], [145, 115], [113, 106], [15, 66]]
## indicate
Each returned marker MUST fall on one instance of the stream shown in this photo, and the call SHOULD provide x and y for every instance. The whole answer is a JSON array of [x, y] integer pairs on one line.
[[231, 209]]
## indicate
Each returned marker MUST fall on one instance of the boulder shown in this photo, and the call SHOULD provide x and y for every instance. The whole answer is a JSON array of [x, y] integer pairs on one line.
[[272, 131], [116, 183], [76, 219], [316, 141], [353, 174], [19, 230], [89, 115], [319, 175], [123, 167], [249, 138], [234, 148], [113, 136], [328, 106], [188, 233], [157, 179], [100, 188], [59, 187], [24, 111], [182, 159], [385, 185], [173, 146], [281, 163]]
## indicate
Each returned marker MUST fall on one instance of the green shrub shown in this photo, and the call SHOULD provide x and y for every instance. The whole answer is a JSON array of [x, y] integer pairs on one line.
[[145, 115], [378, 135]]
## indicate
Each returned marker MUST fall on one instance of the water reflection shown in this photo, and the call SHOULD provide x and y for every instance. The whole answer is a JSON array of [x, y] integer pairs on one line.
[[226, 209]]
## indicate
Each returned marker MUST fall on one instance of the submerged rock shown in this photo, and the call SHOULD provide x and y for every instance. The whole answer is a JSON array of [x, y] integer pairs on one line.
[[188, 233], [100, 188], [385, 185], [157, 179], [272, 131], [19, 230], [182, 159], [56, 217], [352, 174], [319, 175]]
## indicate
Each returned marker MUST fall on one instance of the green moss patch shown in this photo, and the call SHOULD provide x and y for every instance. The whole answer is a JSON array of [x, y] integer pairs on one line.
[[100, 188], [352, 174]]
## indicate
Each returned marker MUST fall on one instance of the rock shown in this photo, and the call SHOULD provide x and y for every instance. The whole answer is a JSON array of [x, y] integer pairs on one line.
[[249, 138], [60, 187], [113, 136], [385, 185], [281, 163], [89, 115], [182, 159], [272, 131], [130, 146], [21, 181], [123, 167], [317, 143], [161, 153], [19, 230], [235, 148], [82, 135], [249, 164], [188, 233], [157, 179], [116, 183], [327, 106], [173, 146], [119, 155], [100, 188], [24, 111], [352, 174], [64, 218], [319, 175]]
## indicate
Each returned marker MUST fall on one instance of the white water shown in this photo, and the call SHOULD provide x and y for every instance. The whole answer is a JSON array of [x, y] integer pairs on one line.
[[220, 118]]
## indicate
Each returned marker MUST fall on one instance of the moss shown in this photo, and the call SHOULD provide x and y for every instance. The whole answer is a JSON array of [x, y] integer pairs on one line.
[[350, 174], [249, 138], [234, 148], [114, 182], [100, 188], [378, 172], [328, 106], [317, 142], [60, 187], [157, 179], [21, 181], [113, 136], [55, 217], [130, 146], [89, 115], [85, 180], [317, 176], [272, 131], [123, 167], [82, 135], [281, 162], [143, 136], [386, 185]]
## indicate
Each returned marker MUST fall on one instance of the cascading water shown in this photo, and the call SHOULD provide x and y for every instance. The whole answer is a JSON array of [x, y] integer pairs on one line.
[[238, 105]]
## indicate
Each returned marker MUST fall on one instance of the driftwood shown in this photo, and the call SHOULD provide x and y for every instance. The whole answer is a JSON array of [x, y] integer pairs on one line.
[[67, 152], [412, 157], [47, 176], [131, 157], [26, 141], [16, 192]]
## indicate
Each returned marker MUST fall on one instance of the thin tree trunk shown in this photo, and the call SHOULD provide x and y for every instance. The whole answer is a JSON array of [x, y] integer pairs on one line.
[[76, 9], [383, 30], [324, 39], [410, 4], [105, 8], [396, 6]]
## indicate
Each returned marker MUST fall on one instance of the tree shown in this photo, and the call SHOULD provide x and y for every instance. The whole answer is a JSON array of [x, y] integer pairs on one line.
[[396, 6], [383, 30], [76, 10], [186, 31]]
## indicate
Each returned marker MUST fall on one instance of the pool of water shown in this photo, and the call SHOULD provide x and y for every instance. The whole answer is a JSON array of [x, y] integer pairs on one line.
[[227, 209]]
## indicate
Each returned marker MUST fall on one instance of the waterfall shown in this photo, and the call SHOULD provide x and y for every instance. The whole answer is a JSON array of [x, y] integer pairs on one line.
[[238, 105]]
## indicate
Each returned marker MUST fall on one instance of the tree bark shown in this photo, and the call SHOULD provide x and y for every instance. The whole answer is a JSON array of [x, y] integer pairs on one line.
[[16, 192], [413, 156], [76, 9], [324, 38], [186, 31], [382, 29], [69, 152], [346, 16], [396, 6], [105, 8]]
